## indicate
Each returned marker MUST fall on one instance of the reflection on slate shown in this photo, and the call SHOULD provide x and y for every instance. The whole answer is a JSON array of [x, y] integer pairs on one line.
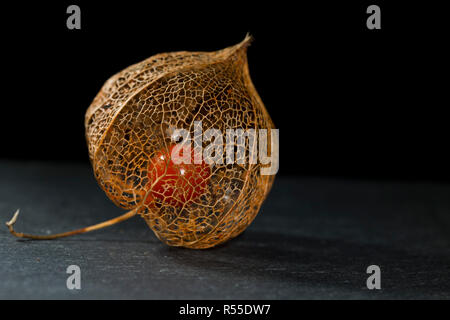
[[314, 238]]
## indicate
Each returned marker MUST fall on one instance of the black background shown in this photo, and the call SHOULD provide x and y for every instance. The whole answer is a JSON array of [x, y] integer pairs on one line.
[[348, 101]]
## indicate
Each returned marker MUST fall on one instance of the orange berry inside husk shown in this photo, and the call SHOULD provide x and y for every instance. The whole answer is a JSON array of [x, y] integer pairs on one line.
[[176, 184]]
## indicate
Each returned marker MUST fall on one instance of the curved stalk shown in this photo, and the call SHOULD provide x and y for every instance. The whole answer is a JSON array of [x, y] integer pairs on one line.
[[101, 225]]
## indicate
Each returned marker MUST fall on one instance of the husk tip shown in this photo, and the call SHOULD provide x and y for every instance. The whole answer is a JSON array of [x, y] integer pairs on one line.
[[247, 40]]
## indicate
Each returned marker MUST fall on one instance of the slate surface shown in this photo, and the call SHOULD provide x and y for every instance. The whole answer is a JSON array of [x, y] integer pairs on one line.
[[313, 239]]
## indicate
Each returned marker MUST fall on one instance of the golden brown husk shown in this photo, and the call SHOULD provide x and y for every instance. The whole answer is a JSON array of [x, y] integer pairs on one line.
[[131, 119]]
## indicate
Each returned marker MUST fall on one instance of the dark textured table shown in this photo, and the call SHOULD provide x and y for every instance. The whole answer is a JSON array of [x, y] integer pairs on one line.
[[313, 239]]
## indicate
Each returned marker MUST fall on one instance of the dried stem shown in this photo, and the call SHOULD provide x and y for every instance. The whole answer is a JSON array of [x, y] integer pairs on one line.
[[101, 225]]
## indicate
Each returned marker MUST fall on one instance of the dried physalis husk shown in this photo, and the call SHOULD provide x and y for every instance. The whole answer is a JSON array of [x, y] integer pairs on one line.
[[130, 129]]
